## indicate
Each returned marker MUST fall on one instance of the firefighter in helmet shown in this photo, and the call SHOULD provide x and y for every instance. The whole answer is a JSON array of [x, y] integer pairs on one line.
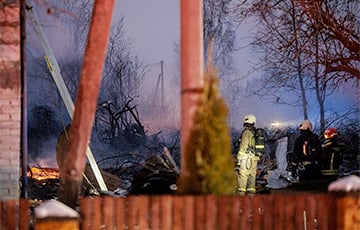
[[332, 151], [307, 154], [247, 158]]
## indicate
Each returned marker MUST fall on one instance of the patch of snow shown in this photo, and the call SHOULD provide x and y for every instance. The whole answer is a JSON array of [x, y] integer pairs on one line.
[[54, 208], [346, 184]]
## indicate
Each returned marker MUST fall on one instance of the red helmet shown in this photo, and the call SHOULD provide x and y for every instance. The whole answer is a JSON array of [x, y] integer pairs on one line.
[[330, 133]]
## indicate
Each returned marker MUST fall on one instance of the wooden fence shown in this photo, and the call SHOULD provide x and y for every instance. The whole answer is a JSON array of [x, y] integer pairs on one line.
[[172, 212], [14, 214], [210, 212]]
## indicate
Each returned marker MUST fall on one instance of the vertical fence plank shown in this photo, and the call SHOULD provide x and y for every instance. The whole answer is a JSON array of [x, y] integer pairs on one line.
[[86, 214], [166, 211], [189, 214], [317, 210], [224, 214], [290, 211], [143, 207], [200, 211], [258, 213], [132, 212], [24, 214], [10, 215], [310, 211], [96, 217], [300, 212], [328, 221], [155, 212], [242, 221], [121, 213], [108, 212], [268, 212], [246, 212], [235, 209], [279, 212], [211, 212], [178, 213]]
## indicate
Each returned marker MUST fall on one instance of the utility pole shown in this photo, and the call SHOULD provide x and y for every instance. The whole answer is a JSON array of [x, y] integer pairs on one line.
[[160, 83]]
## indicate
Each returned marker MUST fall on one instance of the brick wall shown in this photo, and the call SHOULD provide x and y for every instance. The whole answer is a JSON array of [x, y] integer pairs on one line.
[[10, 109]]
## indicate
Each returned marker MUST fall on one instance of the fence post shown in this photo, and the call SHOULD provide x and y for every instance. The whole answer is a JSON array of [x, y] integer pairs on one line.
[[347, 211], [53, 215]]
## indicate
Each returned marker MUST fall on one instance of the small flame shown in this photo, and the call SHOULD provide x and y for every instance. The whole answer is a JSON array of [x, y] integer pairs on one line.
[[43, 173]]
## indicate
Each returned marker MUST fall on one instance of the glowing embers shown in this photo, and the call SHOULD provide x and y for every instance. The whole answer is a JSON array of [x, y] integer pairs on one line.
[[43, 173]]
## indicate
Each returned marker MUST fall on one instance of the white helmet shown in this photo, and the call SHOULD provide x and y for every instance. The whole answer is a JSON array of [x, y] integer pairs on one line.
[[305, 124], [250, 119]]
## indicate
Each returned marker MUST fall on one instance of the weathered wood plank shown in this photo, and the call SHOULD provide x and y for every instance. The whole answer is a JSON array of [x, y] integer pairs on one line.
[[189, 213], [24, 215], [290, 211], [108, 212], [155, 214], [200, 211], [300, 212], [268, 212], [85, 208], [258, 212], [167, 212], [10, 215], [211, 212], [279, 212], [121, 213], [224, 214], [97, 214], [179, 213], [143, 207], [235, 209]]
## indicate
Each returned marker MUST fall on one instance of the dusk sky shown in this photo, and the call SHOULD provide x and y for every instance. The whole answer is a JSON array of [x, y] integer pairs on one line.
[[154, 27]]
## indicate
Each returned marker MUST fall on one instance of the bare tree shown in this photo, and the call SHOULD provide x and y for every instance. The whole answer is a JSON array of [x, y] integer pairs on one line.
[[123, 74], [339, 20], [297, 44], [219, 27], [280, 40]]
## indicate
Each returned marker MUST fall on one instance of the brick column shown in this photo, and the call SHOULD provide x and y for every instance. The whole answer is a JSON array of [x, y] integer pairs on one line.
[[10, 109]]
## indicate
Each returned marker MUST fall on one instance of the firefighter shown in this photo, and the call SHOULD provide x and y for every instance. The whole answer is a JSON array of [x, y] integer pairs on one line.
[[307, 154], [332, 152], [247, 158]]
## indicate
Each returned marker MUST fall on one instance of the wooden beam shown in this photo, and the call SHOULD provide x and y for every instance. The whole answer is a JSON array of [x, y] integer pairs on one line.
[[86, 102], [192, 82]]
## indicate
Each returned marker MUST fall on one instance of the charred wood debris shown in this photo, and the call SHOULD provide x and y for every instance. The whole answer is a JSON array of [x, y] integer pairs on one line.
[[156, 172]]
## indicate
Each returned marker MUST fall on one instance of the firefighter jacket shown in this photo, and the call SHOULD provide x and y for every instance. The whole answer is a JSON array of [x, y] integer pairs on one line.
[[247, 143], [307, 147], [331, 153]]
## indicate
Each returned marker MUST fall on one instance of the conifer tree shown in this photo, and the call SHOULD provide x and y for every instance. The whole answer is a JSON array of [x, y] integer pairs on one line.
[[212, 164]]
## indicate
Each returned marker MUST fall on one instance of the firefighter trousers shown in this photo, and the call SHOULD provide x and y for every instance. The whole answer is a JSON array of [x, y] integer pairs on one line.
[[247, 175]]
